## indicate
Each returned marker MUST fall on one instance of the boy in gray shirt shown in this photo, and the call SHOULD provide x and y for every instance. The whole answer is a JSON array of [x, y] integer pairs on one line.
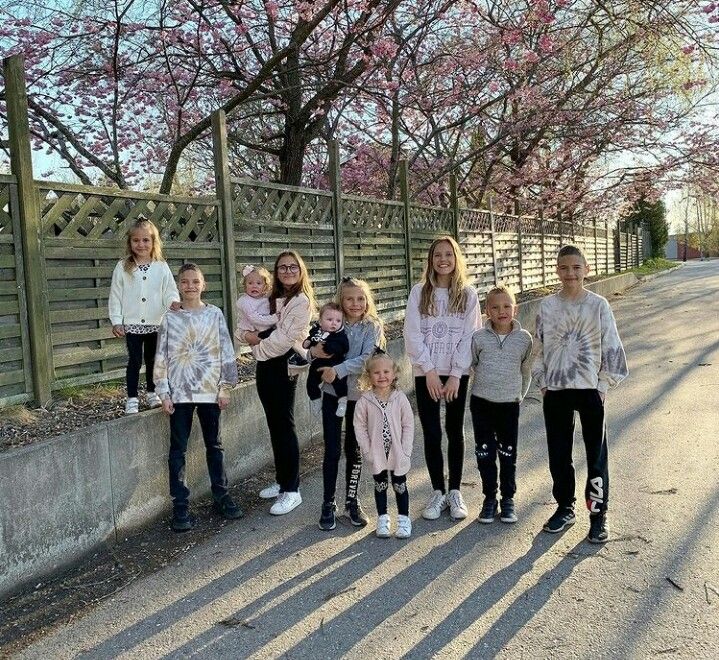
[[501, 361]]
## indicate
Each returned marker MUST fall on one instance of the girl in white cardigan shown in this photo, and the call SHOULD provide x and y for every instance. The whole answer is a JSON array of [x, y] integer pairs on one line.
[[384, 426], [142, 289]]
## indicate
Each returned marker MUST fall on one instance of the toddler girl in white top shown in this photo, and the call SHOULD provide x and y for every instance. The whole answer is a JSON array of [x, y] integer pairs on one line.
[[253, 306]]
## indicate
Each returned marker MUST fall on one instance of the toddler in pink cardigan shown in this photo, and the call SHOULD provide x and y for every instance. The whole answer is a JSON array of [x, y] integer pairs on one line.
[[384, 426]]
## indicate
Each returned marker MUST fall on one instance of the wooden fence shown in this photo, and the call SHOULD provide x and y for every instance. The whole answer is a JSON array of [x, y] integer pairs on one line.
[[59, 243]]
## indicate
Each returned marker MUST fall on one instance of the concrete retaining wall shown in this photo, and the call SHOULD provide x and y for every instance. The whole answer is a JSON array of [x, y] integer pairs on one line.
[[60, 498]]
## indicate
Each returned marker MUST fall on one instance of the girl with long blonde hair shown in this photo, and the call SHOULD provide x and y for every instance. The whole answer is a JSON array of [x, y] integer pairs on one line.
[[365, 332], [442, 314]]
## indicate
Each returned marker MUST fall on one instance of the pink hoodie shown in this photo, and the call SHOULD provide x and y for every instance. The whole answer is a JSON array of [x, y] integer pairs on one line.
[[368, 421]]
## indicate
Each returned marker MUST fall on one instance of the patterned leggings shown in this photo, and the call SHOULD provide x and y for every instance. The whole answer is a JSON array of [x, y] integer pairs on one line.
[[399, 484]]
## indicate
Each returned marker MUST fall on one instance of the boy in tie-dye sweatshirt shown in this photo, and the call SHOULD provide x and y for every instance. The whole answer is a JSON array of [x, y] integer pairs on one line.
[[194, 370], [581, 356]]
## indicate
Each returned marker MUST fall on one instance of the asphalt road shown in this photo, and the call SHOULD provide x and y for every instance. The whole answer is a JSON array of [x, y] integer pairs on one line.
[[269, 587]]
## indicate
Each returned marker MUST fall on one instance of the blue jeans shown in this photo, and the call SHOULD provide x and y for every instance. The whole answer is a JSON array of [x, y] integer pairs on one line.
[[180, 427]]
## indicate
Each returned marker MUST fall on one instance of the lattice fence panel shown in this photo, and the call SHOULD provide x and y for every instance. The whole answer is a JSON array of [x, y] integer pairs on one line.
[[83, 233], [426, 224], [15, 377], [533, 270], [270, 218], [374, 251], [507, 260], [475, 238]]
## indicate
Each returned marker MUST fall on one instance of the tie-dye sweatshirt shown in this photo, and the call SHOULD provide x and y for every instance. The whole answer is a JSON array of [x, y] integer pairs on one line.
[[579, 345], [195, 359]]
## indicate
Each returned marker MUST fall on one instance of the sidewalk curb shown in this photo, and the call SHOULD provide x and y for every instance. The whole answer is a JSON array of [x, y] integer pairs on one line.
[[652, 276]]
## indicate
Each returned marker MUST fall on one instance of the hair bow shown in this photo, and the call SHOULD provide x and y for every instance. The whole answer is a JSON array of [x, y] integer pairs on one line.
[[378, 351], [247, 270]]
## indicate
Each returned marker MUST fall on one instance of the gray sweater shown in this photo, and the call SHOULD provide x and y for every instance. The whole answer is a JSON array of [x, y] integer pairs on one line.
[[501, 367], [363, 337]]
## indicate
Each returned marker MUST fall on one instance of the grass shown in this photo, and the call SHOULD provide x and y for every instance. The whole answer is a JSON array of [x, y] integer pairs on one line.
[[655, 265], [96, 392], [19, 415]]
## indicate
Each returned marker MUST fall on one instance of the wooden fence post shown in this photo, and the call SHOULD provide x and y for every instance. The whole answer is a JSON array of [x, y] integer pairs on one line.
[[636, 238], [606, 246], [454, 205], [337, 219], [519, 247], [223, 191], [29, 215], [491, 231], [542, 248], [404, 189], [596, 253]]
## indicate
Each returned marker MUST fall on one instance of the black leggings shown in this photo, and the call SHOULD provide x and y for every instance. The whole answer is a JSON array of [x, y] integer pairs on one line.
[[332, 432], [277, 394], [428, 411], [136, 345], [399, 484]]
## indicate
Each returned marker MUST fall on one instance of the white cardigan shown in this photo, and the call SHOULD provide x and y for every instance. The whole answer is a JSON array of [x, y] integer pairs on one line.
[[139, 298]]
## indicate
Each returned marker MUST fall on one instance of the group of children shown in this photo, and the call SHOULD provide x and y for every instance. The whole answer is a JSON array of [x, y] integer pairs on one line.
[[190, 365]]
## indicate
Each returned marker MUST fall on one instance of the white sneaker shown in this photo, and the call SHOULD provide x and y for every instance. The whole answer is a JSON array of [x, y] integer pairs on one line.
[[342, 407], [270, 492], [153, 401], [316, 406], [285, 503], [132, 405], [383, 526], [404, 527], [435, 505], [457, 507]]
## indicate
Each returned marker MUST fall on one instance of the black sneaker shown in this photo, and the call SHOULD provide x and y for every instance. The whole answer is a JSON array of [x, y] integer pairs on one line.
[[562, 518], [598, 532], [506, 507], [181, 521], [489, 511], [227, 508], [354, 511], [327, 519]]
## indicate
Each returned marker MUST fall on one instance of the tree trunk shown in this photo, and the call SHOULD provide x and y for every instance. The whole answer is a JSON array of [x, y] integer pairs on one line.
[[292, 155]]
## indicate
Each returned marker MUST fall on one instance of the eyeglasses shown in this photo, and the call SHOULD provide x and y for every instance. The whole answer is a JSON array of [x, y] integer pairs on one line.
[[292, 268]]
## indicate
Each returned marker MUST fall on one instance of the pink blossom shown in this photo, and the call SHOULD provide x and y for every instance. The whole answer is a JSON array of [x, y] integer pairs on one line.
[[546, 44], [511, 64], [531, 57]]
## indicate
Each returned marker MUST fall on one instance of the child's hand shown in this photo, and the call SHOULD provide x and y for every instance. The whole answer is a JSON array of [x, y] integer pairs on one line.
[[451, 388], [118, 330], [434, 385], [602, 395], [251, 338], [223, 402], [175, 306], [167, 406], [318, 351], [328, 374], [543, 391]]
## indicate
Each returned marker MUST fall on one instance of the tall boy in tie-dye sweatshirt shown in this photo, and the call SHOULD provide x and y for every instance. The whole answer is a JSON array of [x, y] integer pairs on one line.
[[194, 371], [581, 357]]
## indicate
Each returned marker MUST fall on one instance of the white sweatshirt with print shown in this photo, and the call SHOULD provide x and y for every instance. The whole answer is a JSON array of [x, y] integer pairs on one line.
[[442, 342]]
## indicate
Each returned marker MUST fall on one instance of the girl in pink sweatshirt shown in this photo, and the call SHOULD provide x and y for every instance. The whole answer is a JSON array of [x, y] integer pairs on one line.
[[384, 426], [442, 315]]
